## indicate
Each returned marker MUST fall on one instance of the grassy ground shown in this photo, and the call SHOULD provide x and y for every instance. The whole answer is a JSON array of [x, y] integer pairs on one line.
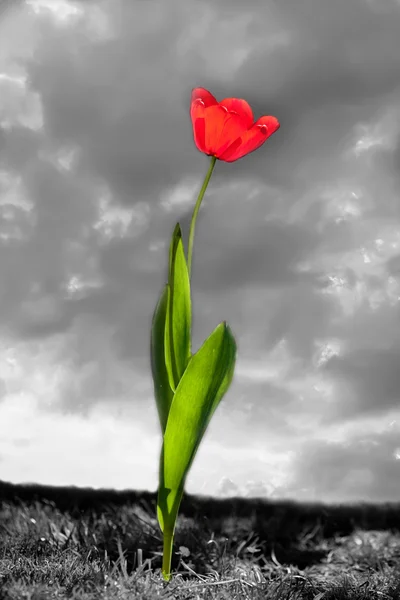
[[115, 552]]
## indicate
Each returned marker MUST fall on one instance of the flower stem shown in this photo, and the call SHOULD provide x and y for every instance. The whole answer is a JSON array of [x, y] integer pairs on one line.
[[196, 210], [167, 554]]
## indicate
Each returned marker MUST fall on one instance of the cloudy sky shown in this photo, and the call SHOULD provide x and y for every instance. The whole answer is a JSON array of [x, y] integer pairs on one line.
[[297, 245]]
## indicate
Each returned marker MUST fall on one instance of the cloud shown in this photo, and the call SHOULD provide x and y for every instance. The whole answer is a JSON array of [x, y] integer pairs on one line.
[[370, 379], [296, 245], [361, 469]]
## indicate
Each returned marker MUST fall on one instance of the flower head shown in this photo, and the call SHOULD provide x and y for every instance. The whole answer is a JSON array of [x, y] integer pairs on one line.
[[225, 129]]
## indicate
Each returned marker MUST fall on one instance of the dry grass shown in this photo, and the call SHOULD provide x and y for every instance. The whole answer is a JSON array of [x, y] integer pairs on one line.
[[47, 553]]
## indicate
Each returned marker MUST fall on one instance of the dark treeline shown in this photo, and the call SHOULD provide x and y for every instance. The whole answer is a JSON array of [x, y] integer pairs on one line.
[[265, 513]]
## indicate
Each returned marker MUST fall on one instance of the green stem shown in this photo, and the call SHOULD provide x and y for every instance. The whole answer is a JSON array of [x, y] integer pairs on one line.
[[168, 535], [167, 554], [196, 210]]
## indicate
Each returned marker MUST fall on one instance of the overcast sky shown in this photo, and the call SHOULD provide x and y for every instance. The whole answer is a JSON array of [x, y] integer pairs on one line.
[[297, 245]]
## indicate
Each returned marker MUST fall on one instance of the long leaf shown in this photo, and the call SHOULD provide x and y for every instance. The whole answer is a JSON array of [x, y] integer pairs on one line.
[[202, 386], [162, 389], [179, 312], [164, 500]]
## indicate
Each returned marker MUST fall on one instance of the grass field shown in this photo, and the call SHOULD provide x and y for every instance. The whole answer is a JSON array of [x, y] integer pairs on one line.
[[70, 543]]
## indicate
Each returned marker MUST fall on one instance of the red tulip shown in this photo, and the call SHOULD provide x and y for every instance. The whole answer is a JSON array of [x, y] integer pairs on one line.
[[225, 129]]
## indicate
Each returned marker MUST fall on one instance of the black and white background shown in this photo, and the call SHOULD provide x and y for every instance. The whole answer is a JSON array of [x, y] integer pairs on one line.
[[297, 245]]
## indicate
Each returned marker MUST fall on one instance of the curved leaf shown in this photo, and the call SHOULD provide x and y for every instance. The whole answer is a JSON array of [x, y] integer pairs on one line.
[[202, 386], [179, 312], [162, 389], [167, 503]]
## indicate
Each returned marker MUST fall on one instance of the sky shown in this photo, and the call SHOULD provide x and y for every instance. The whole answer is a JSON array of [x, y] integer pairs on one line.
[[297, 245]]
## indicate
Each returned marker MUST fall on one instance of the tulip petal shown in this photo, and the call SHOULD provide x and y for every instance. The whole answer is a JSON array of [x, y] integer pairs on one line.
[[221, 129], [199, 133], [204, 95], [252, 139], [241, 107], [201, 99]]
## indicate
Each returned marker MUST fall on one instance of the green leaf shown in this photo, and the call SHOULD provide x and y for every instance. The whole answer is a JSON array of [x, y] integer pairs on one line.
[[162, 389], [168, 353], [202, 386], [179, 312], [167, 503]]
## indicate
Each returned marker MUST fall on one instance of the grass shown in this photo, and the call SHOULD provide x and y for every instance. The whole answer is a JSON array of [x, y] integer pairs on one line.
[[61, 545]]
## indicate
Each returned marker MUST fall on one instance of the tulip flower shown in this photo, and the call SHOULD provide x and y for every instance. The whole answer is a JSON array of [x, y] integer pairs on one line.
[[188, 387], [225, 129]]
